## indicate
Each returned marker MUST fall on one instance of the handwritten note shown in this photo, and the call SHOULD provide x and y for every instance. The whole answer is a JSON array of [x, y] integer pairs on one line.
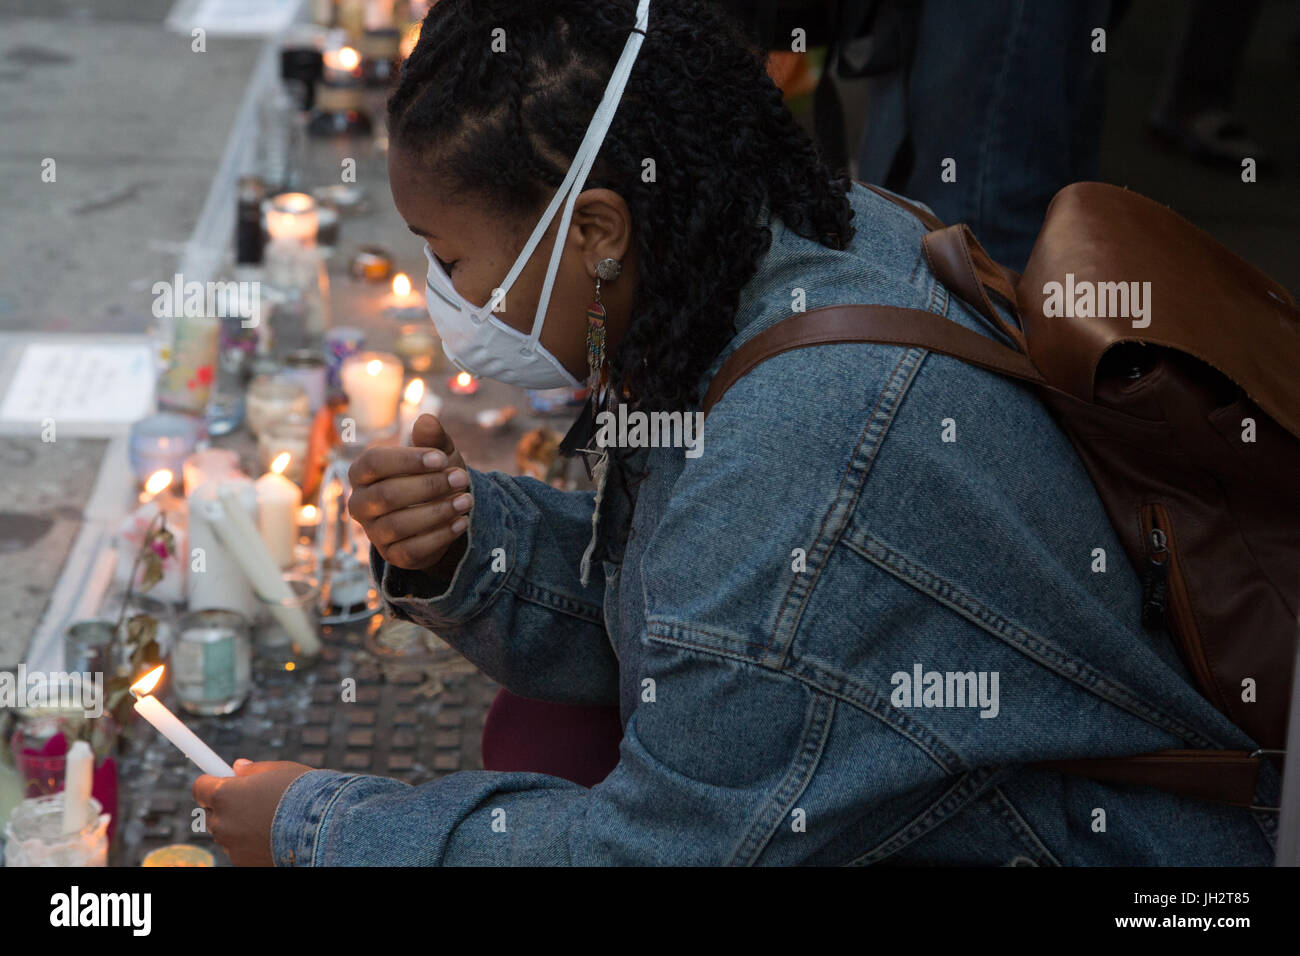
[[81, 383]]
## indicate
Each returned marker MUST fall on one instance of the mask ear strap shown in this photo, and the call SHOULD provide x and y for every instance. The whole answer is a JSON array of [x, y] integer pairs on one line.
[[583, 161]]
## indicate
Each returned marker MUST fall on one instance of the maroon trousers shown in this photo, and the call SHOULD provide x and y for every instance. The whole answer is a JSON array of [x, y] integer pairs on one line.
[[564, 740]]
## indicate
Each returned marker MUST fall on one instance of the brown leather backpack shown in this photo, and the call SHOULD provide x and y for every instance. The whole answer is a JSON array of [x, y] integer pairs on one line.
[[1188, 424]]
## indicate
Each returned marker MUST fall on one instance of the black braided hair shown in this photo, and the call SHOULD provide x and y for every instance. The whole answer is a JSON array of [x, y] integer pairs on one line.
[[504, 126]]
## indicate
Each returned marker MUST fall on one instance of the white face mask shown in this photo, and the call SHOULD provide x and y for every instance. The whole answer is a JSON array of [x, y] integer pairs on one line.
[[475, 340]]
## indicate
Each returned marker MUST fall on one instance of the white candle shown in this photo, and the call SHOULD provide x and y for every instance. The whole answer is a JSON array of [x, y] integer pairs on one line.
[[278, 501], [166, 723], [416, 402], [79, 767], [216, 581], [241, 540], [373, 383]]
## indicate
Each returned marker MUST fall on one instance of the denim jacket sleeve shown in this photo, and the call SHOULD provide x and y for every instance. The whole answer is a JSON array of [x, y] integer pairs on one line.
[[724, 743], [515, 606]]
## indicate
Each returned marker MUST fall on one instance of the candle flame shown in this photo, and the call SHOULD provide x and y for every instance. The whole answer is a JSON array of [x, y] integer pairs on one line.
[[374, 367], [307, 514], [401, 284], [158, 482], [148, 682], [464, 379], [349, 58], [415, 391], [281, 463], [296, 202]]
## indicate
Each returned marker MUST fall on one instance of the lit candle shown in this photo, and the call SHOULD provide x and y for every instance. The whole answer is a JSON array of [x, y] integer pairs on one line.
[[373, 383], [308, 516], [417, 401], [401, 286], [166, 723], [79, 765], [342, 67], [158, 482], [278, 501], [463, 383], [292, 216]]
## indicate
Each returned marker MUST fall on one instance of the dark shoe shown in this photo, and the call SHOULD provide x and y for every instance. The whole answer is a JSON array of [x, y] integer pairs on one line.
[[1213, 136]]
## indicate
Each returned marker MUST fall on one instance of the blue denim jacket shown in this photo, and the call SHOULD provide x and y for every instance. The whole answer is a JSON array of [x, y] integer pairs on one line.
[[861, 515]]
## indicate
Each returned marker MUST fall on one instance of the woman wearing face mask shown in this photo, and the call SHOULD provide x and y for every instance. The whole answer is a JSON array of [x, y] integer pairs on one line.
[[612, 191]]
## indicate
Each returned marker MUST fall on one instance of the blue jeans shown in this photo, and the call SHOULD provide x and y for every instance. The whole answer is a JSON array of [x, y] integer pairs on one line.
[[1011, 91]]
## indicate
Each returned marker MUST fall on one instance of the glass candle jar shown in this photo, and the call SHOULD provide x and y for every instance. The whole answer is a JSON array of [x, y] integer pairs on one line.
[[373, 383], [291, 434], [34, 835], [277, 645], [211, 662], [292, 216], [162, 442], [271, 398]]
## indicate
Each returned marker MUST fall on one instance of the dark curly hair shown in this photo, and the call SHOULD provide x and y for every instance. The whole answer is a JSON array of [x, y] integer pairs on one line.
[[504, 126]]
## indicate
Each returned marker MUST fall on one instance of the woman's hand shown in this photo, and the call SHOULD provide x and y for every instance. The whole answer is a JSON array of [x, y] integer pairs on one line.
[[240, 809], [412, 502]]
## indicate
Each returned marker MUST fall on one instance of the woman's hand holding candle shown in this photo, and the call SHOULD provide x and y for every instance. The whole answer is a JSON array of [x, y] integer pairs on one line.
[[413, 503], [241, 809]]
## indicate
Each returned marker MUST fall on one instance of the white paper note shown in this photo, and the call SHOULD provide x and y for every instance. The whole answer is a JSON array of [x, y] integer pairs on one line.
[[81, 383]]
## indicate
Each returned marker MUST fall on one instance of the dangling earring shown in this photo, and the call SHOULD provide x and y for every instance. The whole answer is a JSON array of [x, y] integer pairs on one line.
[[597, 366]]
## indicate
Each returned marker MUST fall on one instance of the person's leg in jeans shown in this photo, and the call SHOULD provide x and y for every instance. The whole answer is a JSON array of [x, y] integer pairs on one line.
[[1010, 90], [577, 743]]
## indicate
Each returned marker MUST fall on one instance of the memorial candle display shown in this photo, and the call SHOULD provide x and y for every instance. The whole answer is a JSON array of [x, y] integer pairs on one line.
[[167, 724], [373, 383], [278, 501]]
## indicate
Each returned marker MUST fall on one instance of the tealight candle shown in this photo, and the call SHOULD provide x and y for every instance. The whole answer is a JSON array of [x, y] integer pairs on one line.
[[167, 724], [462, 383], [373, 383]]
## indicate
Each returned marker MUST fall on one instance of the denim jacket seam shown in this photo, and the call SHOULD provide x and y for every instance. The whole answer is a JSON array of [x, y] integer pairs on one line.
[[526, 590], [964, 791], [1013, 818], [314, 812], [855, 476], [812, 745], [1018, 638], [821, 681]]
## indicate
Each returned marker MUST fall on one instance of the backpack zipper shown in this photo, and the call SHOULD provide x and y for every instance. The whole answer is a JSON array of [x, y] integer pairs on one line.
[[1165, 600]]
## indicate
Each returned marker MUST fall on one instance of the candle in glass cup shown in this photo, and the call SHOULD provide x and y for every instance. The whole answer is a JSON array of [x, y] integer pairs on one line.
[[292, 216], [462, 383], [373, 383]]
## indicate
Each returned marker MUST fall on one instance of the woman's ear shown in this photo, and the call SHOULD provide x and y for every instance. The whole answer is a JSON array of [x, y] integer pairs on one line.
[[602, 227]]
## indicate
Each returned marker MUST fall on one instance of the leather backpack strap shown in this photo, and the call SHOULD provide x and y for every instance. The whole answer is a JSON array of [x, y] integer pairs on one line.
[[1219, 776], [883, 324]]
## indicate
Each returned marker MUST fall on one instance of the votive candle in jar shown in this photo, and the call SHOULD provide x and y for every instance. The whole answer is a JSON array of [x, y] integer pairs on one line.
[[292, 216], [373, 383], [212, 662], [271, 398]]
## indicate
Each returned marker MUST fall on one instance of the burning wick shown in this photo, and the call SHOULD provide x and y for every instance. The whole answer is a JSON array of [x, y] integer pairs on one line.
[[463, 383], [414, 391], [165, 722], [158, 482], [401, 285]]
